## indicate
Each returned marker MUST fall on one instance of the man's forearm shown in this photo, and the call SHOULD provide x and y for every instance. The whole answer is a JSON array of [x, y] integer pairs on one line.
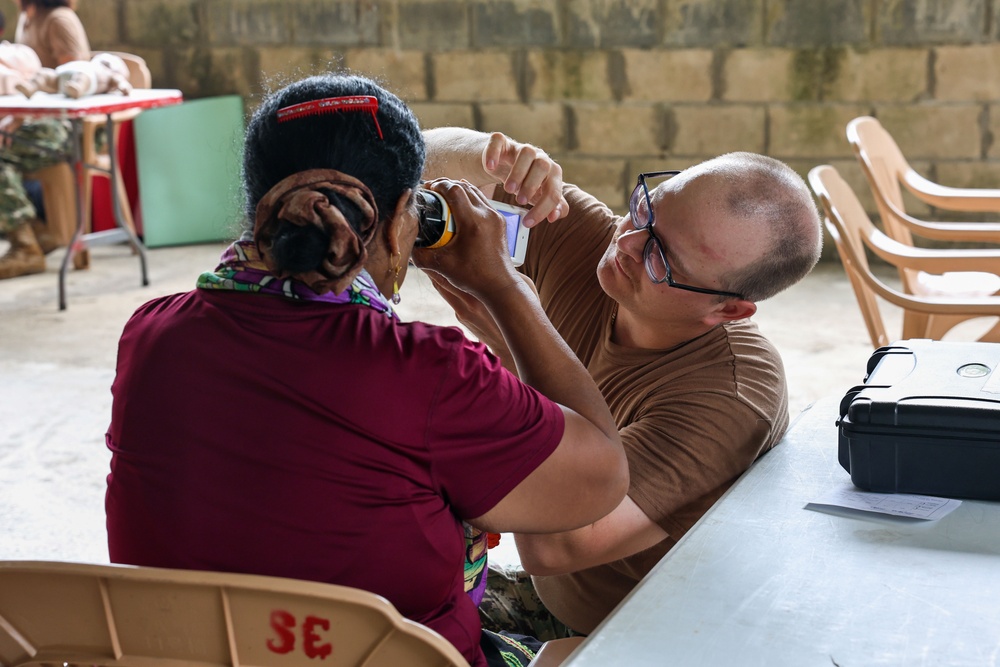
[[625, 531], [457, 153]]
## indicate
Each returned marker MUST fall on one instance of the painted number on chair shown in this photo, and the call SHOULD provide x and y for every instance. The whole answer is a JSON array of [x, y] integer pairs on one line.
[[285, 625]]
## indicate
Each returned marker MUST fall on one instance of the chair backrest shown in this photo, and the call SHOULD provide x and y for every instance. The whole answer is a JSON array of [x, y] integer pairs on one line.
[[884, 166], [846, 221], [930, 315], [121, 616], [139, 77], [138, 73], [890, 175]]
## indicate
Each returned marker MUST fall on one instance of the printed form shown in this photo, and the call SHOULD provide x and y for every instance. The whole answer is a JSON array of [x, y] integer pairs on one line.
[[929, 508]]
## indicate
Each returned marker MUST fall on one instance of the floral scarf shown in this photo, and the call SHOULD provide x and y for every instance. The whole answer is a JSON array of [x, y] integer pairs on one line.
[[241, 269]]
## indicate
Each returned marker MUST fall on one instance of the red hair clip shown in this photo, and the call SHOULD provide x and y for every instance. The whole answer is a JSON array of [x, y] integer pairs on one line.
[[331, 105]]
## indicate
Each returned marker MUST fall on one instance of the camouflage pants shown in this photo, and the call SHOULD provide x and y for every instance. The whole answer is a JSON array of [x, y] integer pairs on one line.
[[27, 153], [511, 604]]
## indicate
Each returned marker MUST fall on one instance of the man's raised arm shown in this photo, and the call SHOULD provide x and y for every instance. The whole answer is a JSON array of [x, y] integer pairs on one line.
[[488, 160]]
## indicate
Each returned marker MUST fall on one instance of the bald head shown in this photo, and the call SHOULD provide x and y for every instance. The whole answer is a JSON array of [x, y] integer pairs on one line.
[[766, 194]]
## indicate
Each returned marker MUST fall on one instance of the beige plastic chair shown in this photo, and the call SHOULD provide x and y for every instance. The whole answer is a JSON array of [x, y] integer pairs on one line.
[[59, 182], [120, 616], [924, 316], [59, 198], [139, 77], [888, 173]]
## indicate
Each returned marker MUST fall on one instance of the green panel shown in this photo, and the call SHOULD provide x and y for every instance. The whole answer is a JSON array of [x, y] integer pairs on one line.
[[188, 163]]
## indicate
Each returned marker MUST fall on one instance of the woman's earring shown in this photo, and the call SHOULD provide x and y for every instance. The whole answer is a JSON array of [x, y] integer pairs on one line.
[[395, 284]]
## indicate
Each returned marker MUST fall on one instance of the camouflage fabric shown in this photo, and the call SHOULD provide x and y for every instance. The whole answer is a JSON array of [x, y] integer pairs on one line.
[[511, 605], [507, 650], [32, 149]]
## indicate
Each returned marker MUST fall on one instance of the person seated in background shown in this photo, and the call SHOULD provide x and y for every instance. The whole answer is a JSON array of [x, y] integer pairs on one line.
[[279, 419], [657, 306], [54, 32]]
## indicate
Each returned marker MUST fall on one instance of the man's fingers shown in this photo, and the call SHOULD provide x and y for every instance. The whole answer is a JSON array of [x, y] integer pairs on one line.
[[517, 181], [540, 173], [551, 208], [494, 156], [560, 210]]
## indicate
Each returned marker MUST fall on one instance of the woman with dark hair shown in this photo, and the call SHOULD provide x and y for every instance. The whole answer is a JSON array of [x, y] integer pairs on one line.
[[281, 420], [53, 30]]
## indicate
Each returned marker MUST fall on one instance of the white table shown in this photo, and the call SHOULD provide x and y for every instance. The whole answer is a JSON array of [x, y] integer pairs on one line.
[[762, 581], [48, 105]]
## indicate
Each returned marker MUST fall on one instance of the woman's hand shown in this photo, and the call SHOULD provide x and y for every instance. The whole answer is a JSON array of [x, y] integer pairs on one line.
[[476, 260], [530, 173]]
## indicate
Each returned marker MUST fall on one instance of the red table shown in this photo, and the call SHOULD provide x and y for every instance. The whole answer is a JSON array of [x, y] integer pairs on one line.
[[46, 105]]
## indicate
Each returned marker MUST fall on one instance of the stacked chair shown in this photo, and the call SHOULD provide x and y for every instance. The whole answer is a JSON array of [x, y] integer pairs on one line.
[[941, 288]]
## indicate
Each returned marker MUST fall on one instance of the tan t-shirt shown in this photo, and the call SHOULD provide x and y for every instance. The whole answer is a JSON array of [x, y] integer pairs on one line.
[[692, 418], [57, 36]]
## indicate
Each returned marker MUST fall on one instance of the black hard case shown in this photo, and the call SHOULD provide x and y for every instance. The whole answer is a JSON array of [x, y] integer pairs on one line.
[[925, 421]]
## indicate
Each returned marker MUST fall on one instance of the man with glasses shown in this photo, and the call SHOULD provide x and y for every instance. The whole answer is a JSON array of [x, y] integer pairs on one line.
[[657, 306]]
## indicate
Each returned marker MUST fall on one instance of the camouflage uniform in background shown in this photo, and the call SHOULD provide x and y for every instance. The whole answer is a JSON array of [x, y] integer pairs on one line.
[[38, 143], [511, 604]]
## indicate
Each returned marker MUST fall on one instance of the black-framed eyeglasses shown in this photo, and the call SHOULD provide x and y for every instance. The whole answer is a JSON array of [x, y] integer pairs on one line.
[[653, 256]]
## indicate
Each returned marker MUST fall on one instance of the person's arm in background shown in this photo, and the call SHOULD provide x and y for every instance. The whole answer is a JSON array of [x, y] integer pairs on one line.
[[488, 160], [587, 475]]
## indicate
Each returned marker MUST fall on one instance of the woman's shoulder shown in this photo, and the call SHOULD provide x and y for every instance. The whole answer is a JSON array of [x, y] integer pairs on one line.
[[62, 15], [162, 306], [434, 340], [57, 18], [63, 26]]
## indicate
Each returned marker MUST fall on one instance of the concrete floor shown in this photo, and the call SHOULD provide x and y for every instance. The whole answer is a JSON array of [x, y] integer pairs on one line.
[[57, 368]]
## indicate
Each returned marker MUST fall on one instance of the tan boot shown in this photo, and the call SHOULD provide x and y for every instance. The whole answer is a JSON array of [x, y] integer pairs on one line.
[[46, 240], [24, 256]]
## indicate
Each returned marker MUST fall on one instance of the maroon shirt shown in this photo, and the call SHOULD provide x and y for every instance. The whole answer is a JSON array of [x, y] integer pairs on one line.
[[256, 434]]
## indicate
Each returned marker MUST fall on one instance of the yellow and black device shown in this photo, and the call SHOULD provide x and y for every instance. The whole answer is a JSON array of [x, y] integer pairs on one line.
[[436, 225]]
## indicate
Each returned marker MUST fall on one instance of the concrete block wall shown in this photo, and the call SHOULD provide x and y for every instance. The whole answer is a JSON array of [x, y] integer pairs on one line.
[[615, 87]]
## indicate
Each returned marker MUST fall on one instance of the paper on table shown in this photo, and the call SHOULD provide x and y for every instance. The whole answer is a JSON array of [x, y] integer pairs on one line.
[[929, 508]]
